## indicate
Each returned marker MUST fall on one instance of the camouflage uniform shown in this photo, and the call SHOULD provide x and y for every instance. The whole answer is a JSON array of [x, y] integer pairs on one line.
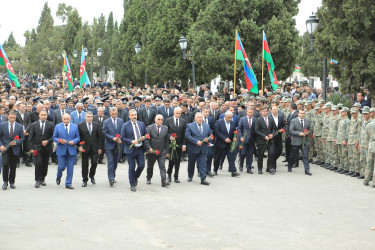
[[310, 115], [370, 141], [326, 121], [343, 136], [332, 133], [318, 136], [363, 145], [354, 136]]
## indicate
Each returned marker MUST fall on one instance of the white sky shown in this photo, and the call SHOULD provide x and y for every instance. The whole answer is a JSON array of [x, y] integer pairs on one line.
[[21, 15]]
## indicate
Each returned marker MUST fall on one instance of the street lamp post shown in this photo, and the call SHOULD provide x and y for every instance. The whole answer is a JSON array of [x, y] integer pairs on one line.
[[187, 55], [99, 54], [311, 25], [138, 48]]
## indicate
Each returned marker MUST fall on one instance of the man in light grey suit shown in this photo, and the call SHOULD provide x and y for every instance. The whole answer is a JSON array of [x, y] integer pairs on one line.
[[299, 130], [158, 149]]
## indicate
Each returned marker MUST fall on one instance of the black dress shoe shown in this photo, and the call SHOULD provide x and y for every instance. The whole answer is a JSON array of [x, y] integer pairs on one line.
[[337, 170], [361, 177], [234, 174], [43, 183], [37, 184], [204, 182], [349, 173], [221, 166], [28, 164], [177, 180], [84, 184], [210, 174], [58, 181], [267, 170], [289, 170], [133, 189], [169, 179], [365, 183], [344, 172], [111, 183], [189, 179], [69, 187], [249, 171], [260, 172], [308, 173], [334, 169], [120, 160], [285, 160], [315, 162], [5, 186], [272, 171], [101, 162], [93, 181], [148, 182], [321, 163], [215, 172], [165, 184], [355, 175]]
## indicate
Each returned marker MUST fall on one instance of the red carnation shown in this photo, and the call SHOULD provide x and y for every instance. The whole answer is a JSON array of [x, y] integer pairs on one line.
[[306, 130], [241, 147], [282, 130], [17, 138], [235, 132], [147, 136], [157, 152], [35, 153], [118, 135], [83, 150], [174, 135]]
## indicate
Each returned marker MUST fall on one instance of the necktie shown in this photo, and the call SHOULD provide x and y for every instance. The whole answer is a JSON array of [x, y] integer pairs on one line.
[[158, 130], [200, 129], [62, 112], [250, 123], [302, 123], [79, 117], [176, 122], [90, 128], [266, 118], [42, 128], [148, 113], [205, 120], [66, 129], [137, 133], [11, 131], [100, 120]]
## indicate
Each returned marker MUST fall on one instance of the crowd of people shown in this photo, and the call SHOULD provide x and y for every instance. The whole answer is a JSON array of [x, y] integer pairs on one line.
[[42, 122]]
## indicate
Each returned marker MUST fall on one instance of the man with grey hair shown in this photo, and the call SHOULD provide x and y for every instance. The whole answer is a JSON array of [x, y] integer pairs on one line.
[[78, 115], [100, 118]]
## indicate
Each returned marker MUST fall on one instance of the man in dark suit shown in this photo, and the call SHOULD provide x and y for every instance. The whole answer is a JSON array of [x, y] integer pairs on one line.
[[146, 114], [23, 118], [60, 111], [100, 118], [159, 140], [235, 118], [10, 148], [214, 113], [166, 111], [176, 125], [133, 135], [50, 112], [66, 136], [278, 139], [300, 128], [40, 140], [197, 137], [90, 132], [35, 115], [122, 113], [247, 123], [207, 118], [293, 114], [224, 131], [264, 130], [111, 128]]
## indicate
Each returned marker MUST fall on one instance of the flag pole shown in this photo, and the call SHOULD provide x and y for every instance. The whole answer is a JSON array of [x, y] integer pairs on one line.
[[64, 72], [262, 60], [235, 69]]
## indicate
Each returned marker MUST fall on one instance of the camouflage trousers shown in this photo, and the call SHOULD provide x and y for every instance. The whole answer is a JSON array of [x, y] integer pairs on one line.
[[333, 154], [283, 136], [325, 151], [312, 147], [353, 157], [319, 148], [342, 152], [363, 160], [370, 168]]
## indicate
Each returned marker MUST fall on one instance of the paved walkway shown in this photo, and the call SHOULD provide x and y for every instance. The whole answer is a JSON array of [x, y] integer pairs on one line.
[[285, 211]]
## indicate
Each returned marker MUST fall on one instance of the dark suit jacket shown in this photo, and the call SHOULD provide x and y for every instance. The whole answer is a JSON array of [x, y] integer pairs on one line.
[[210, 122], [290, 118], [221, 133], [3, 118], [36, 136], [5, 138], [193, 135], [110, 132], [127, 135], [26, 121], [262, 131], [281, 124], [216, 116], [96, 119], [143, 117], [51, 116], [94, 141], [296, 129], [34, 116], [179, 131], [123, 114], [58, 118], [162, 112], [157, 141], [243, 126]]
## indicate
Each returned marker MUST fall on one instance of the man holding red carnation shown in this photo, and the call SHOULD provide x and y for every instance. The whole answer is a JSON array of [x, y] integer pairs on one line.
[[11, 138]]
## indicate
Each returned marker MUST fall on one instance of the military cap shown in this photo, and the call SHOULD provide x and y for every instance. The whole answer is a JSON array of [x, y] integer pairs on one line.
[[357, 104], [131, 104], [334, 107], [315, 100], [278, 97], [344, 109], [288, 96], [106, 94], [99, 102], [137, 99], [148, 100], [174, 97], [322, 101], [105, 99], [353, 110], [36, 99], [269, 94], [283, 100], [166, 100], [372, 109], [328, 105], [296, 95], [165, 91], [158, 98], [308, 102], [124, 99], [299, 102], [257, 98], [340, 105], [316, 108], [52, 99], [365, 110], [84, 100], [201, 99]]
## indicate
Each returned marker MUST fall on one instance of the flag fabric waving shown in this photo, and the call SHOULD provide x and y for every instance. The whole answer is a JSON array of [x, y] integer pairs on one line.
[[333, 61], [297, 68], [270, 65], [5, 61], [67, 69], [84, 78], [251, 81]]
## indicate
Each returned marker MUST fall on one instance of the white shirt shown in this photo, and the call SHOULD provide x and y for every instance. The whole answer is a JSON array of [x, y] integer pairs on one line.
[[88, 128], [174, 120], [68, 127], [9, 127], [135, 133], [41, 125], [276, 119]]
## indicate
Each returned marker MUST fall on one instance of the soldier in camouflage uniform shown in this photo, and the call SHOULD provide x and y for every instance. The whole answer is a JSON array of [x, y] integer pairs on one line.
[[310, 115], [353, 143], [342, 138], [363, 145], [318, 125], [331, 139], [326, 121], [370, 141], [358, 106], [372, 114], [284, 108]]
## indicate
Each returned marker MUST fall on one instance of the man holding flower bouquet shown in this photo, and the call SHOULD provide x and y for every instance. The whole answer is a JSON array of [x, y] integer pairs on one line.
[[133, 134], [40, 145], [11, 138], [246, 130], [300, 130]]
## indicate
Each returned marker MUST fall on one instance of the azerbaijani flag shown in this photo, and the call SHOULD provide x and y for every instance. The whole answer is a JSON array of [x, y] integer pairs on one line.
[[333, 61], [84, 78], [5, 61], [297, 68], [67, 69], [251, 81], [271, 66]]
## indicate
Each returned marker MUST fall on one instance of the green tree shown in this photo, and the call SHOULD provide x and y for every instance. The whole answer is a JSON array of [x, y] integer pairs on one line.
[[10, 43], [311, 62], [71, 31], [346, 33], [63, 11]]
